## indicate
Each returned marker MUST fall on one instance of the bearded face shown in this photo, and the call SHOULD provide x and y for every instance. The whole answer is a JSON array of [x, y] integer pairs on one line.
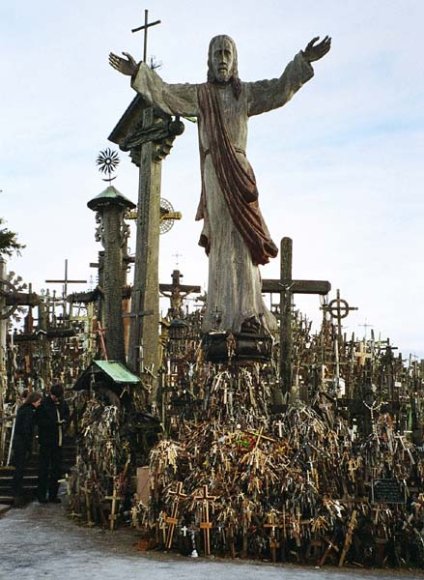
[[222, 59]]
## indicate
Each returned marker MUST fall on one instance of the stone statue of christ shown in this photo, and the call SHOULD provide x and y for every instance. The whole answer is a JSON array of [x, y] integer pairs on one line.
[[234, 234]]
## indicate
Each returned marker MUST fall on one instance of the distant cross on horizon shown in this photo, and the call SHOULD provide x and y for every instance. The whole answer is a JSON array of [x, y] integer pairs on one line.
[[176, 256], [365, 327], [145, 27], [65, 281]]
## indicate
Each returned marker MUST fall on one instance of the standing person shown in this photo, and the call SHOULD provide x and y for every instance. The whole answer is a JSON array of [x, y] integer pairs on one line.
[[234, 234], [53, 416], [22, 443]]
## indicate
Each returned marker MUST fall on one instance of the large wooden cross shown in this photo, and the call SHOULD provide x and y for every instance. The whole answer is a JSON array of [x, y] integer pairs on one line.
[[147, 133], [286, 287]]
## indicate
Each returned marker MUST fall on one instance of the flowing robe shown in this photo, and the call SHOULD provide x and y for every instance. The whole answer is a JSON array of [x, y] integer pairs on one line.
[[234, 233]]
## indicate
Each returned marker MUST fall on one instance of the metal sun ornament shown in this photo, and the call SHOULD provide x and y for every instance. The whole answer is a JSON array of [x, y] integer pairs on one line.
[[107, 162]]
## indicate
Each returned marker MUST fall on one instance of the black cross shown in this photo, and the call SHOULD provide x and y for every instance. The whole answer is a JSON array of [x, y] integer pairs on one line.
[[145, 27]]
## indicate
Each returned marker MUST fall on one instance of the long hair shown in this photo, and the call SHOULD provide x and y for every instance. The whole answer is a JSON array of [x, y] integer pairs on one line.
[[234, 75]]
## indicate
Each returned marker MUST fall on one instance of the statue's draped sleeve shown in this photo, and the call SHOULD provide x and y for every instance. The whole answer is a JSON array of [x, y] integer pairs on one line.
[[266, 95], [174, 99]]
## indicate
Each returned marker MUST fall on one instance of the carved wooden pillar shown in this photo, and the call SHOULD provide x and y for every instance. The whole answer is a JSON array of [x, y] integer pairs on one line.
[[110, 206]]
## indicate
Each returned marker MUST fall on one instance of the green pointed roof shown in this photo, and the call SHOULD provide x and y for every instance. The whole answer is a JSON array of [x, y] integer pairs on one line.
[[110, 196]]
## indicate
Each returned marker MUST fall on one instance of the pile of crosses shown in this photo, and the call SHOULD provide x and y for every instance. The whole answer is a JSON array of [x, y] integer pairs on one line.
[[333, 478], [299, 486], [96, 485]]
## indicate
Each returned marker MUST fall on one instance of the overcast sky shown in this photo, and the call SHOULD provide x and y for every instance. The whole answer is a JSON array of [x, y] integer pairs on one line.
[[340, 168]]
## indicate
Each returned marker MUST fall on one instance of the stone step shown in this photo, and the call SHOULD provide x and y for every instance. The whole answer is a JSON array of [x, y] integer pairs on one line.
[[4, 507], [6, 499]]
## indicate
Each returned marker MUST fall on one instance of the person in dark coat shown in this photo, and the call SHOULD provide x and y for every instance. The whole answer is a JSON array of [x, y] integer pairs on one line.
[[22, 443], [52, 419]]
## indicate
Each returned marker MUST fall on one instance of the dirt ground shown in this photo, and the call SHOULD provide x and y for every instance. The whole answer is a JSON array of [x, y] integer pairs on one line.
[[41, 542]]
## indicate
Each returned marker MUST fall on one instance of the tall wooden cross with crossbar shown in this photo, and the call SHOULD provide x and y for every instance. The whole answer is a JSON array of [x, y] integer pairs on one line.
[[286, 287], [147, 133]]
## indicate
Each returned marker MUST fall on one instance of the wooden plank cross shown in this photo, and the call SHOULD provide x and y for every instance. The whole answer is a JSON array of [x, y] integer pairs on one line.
[[331, 545], [206, 524], [115, 498], [87, 491], [172, 520], [286, 287]]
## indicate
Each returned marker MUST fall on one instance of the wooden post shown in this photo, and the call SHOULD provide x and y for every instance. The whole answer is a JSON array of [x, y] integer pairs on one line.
[[144, 329], [286, 341]]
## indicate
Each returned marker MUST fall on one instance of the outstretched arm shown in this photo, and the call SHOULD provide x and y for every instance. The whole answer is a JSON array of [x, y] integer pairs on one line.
[[314, 51], [177, 99], [126, 66]]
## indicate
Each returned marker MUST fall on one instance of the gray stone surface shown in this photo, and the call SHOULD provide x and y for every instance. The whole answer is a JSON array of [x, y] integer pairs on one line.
[[40, 542]]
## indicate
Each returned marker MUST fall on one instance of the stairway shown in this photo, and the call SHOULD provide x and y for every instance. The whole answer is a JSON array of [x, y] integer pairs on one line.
[[31, 477]]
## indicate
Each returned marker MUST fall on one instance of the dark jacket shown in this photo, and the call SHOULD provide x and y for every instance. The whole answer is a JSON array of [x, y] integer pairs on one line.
[[24, 427], [49, 416]]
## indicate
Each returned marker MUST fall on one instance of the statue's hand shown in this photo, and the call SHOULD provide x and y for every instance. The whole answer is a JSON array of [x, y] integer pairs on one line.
[[126, 66], [316, 51]]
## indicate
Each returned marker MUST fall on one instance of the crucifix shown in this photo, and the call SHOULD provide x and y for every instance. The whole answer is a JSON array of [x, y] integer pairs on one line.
[[176, 292], [286, 287]]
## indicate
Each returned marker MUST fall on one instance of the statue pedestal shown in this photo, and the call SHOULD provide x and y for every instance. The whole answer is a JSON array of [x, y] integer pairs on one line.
[[223, 346]]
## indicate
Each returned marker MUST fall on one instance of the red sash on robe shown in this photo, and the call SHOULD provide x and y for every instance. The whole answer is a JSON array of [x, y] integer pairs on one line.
[[237, 183]]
